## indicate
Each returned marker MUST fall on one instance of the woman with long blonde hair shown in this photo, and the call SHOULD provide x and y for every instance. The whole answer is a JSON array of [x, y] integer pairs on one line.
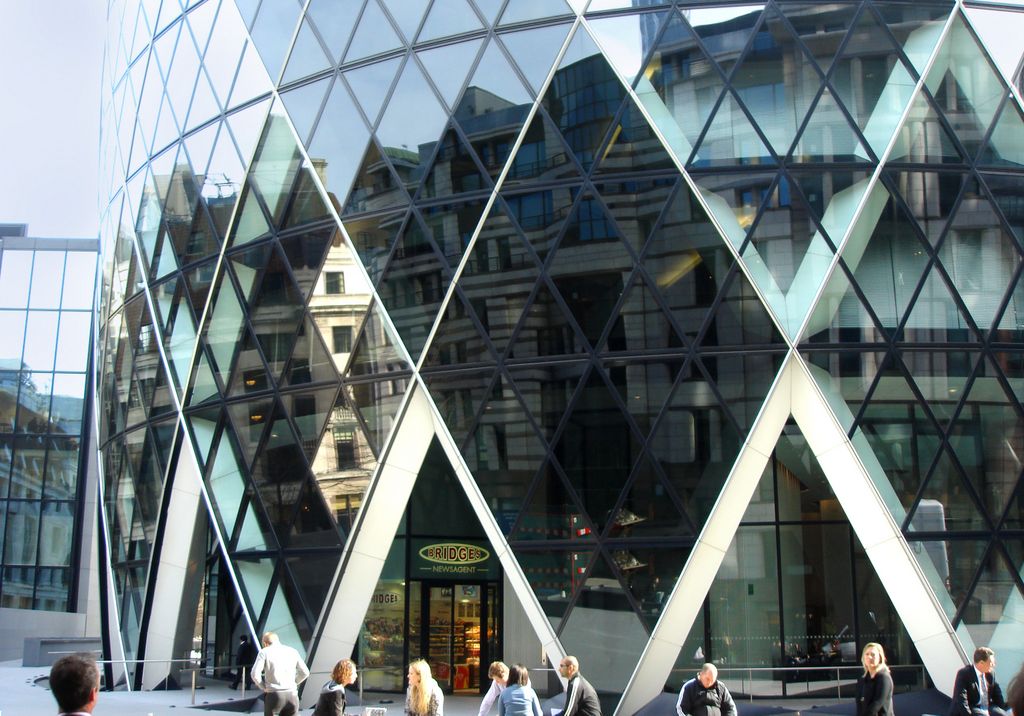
[[874, 687], [424, 697]]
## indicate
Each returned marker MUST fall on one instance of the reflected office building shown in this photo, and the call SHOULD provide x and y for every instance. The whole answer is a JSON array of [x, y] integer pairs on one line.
[[649, 332]]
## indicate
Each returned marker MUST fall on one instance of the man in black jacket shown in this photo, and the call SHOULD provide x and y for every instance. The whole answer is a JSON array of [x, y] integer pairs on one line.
[[244, 657], [705, 695], [975, 690], [580, 697]]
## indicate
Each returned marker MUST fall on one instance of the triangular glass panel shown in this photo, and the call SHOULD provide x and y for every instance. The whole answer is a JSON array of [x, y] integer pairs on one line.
[[965, 85], [336, 146], [204, 104], [541, 156], [828, 136], [741, 317], [743, 382], [534, 51], [439, 63], [410, 144], [413, 286], [945, 488], [199, 147], [642, 323], [730, 140], [1013, 518], [249, 374], [917, 30], [648, 510], [626, 39], [525, 10], [839, 315], [305, 205], [494, 104], [632, 146], [272, 31], [592, 76], [1005, 148], [225, 481], [305, 253], [224, 327], [310, 411], [370, 85], [276, 313], [555, 576], [690, 420], [996, 598], [543, 514], [872, 81], [636, 205], [459, 397], [307, 56], [597, 448], [541, 215], [311, 589], [458, 340], [250, 420], [248, 266], [373, 36], [999, 32], [985, 439], [252, 80], [930, 197], [923, 138], [310, 361], [276, 164], [979, 256], [735, 199], [489, 9], [374, 237], [844, 378], [335, 27], [303, 105], [935, 317], [545, 329], [453, 170], [408, 14], [549, 393], [776, 54], [204, 386], [377, 403], [591, 297], [821, 28], [452, 226], [941, 377], [452, 17], [375, 184], [375, 351], [643, 386]]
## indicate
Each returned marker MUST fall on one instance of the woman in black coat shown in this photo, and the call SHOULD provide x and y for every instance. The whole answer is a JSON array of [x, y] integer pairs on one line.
[[874, 687], [332, 695]]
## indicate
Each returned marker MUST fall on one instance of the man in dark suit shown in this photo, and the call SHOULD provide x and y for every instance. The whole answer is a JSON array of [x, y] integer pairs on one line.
[[580, 697], [975, 691]]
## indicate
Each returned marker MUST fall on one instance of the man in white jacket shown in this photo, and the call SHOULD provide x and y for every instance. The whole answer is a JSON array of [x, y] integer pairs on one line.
[[278, 671]]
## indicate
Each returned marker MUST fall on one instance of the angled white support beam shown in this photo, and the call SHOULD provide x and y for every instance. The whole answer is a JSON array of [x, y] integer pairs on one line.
[[702, 565], [369, 545]]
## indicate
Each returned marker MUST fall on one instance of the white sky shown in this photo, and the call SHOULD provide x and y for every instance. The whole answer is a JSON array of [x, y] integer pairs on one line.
[[51, 55]]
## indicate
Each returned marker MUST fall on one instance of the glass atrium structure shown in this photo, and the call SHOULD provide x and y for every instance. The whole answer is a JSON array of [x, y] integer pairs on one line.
[[655, 332]]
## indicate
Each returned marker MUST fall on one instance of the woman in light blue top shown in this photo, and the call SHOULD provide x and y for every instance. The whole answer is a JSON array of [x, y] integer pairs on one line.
[[518, 698]]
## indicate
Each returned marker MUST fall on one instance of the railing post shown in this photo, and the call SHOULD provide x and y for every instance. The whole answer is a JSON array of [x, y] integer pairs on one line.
[[244, 679], [194, 686]]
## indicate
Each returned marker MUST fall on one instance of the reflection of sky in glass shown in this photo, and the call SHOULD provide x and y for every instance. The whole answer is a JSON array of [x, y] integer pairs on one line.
[[49, 269], [40, 340], [413, 116], [713, 16], [15, 272]]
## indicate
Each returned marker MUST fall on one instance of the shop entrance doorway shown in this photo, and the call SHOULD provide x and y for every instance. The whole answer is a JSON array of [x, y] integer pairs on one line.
[[455, 626]]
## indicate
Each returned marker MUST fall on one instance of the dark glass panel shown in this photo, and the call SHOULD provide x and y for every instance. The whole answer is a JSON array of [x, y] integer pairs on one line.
[[250, 419], [741, 318], [583, 98], [310, 361], [930, 197], [452, 225], [541, 215], [444, 66], [378, 403], [642, 324], [988, 438], [499, 276], [144, 465], [411, 126], [743, 381], [61, 468], [953, 564], [454, 170], [18, 586], [547, 391], [545, 329], [597, 448], [306, 206], [633, 146], [312, 526], [458, 397], [373, 238], [541, 156], [224, 327], [27, 474], [695, 444], [311, 589], [375, 350], [504, 453], [52, 586], [438, 504], [643, 386], [946, 503], [457, 340], [979, 257], [902, 435], [648, 511], [198, 282], [337, 143], [923, 138], [250, 374], [1004, 149], [942, 377], [306, 252], [309, 412], [57, 532], [635, 206], [995, 596], [554, 576], [21, 545], [279, 475], [277, 313], [935, 317]]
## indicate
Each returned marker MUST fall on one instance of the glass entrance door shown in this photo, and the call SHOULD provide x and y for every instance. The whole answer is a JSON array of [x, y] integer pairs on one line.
[[454, 617]]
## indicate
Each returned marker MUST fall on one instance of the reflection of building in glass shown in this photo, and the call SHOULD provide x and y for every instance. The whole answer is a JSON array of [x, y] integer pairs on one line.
[[46, 301], [701, 321]]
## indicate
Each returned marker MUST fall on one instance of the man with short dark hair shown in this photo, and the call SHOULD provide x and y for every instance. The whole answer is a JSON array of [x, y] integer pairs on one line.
[[580, 697], [705, 695], [975, 691], [243, 659], [75, 684]]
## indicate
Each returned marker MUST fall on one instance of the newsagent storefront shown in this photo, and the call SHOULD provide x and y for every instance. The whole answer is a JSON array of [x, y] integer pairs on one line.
[[439, 594]]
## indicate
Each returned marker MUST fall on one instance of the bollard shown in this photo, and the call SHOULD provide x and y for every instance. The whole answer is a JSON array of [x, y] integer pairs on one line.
[[243, 682], [194, 687]]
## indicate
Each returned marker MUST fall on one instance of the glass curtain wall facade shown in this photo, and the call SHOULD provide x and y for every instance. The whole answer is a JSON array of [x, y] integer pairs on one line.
[[601, 239], [46, 301]]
